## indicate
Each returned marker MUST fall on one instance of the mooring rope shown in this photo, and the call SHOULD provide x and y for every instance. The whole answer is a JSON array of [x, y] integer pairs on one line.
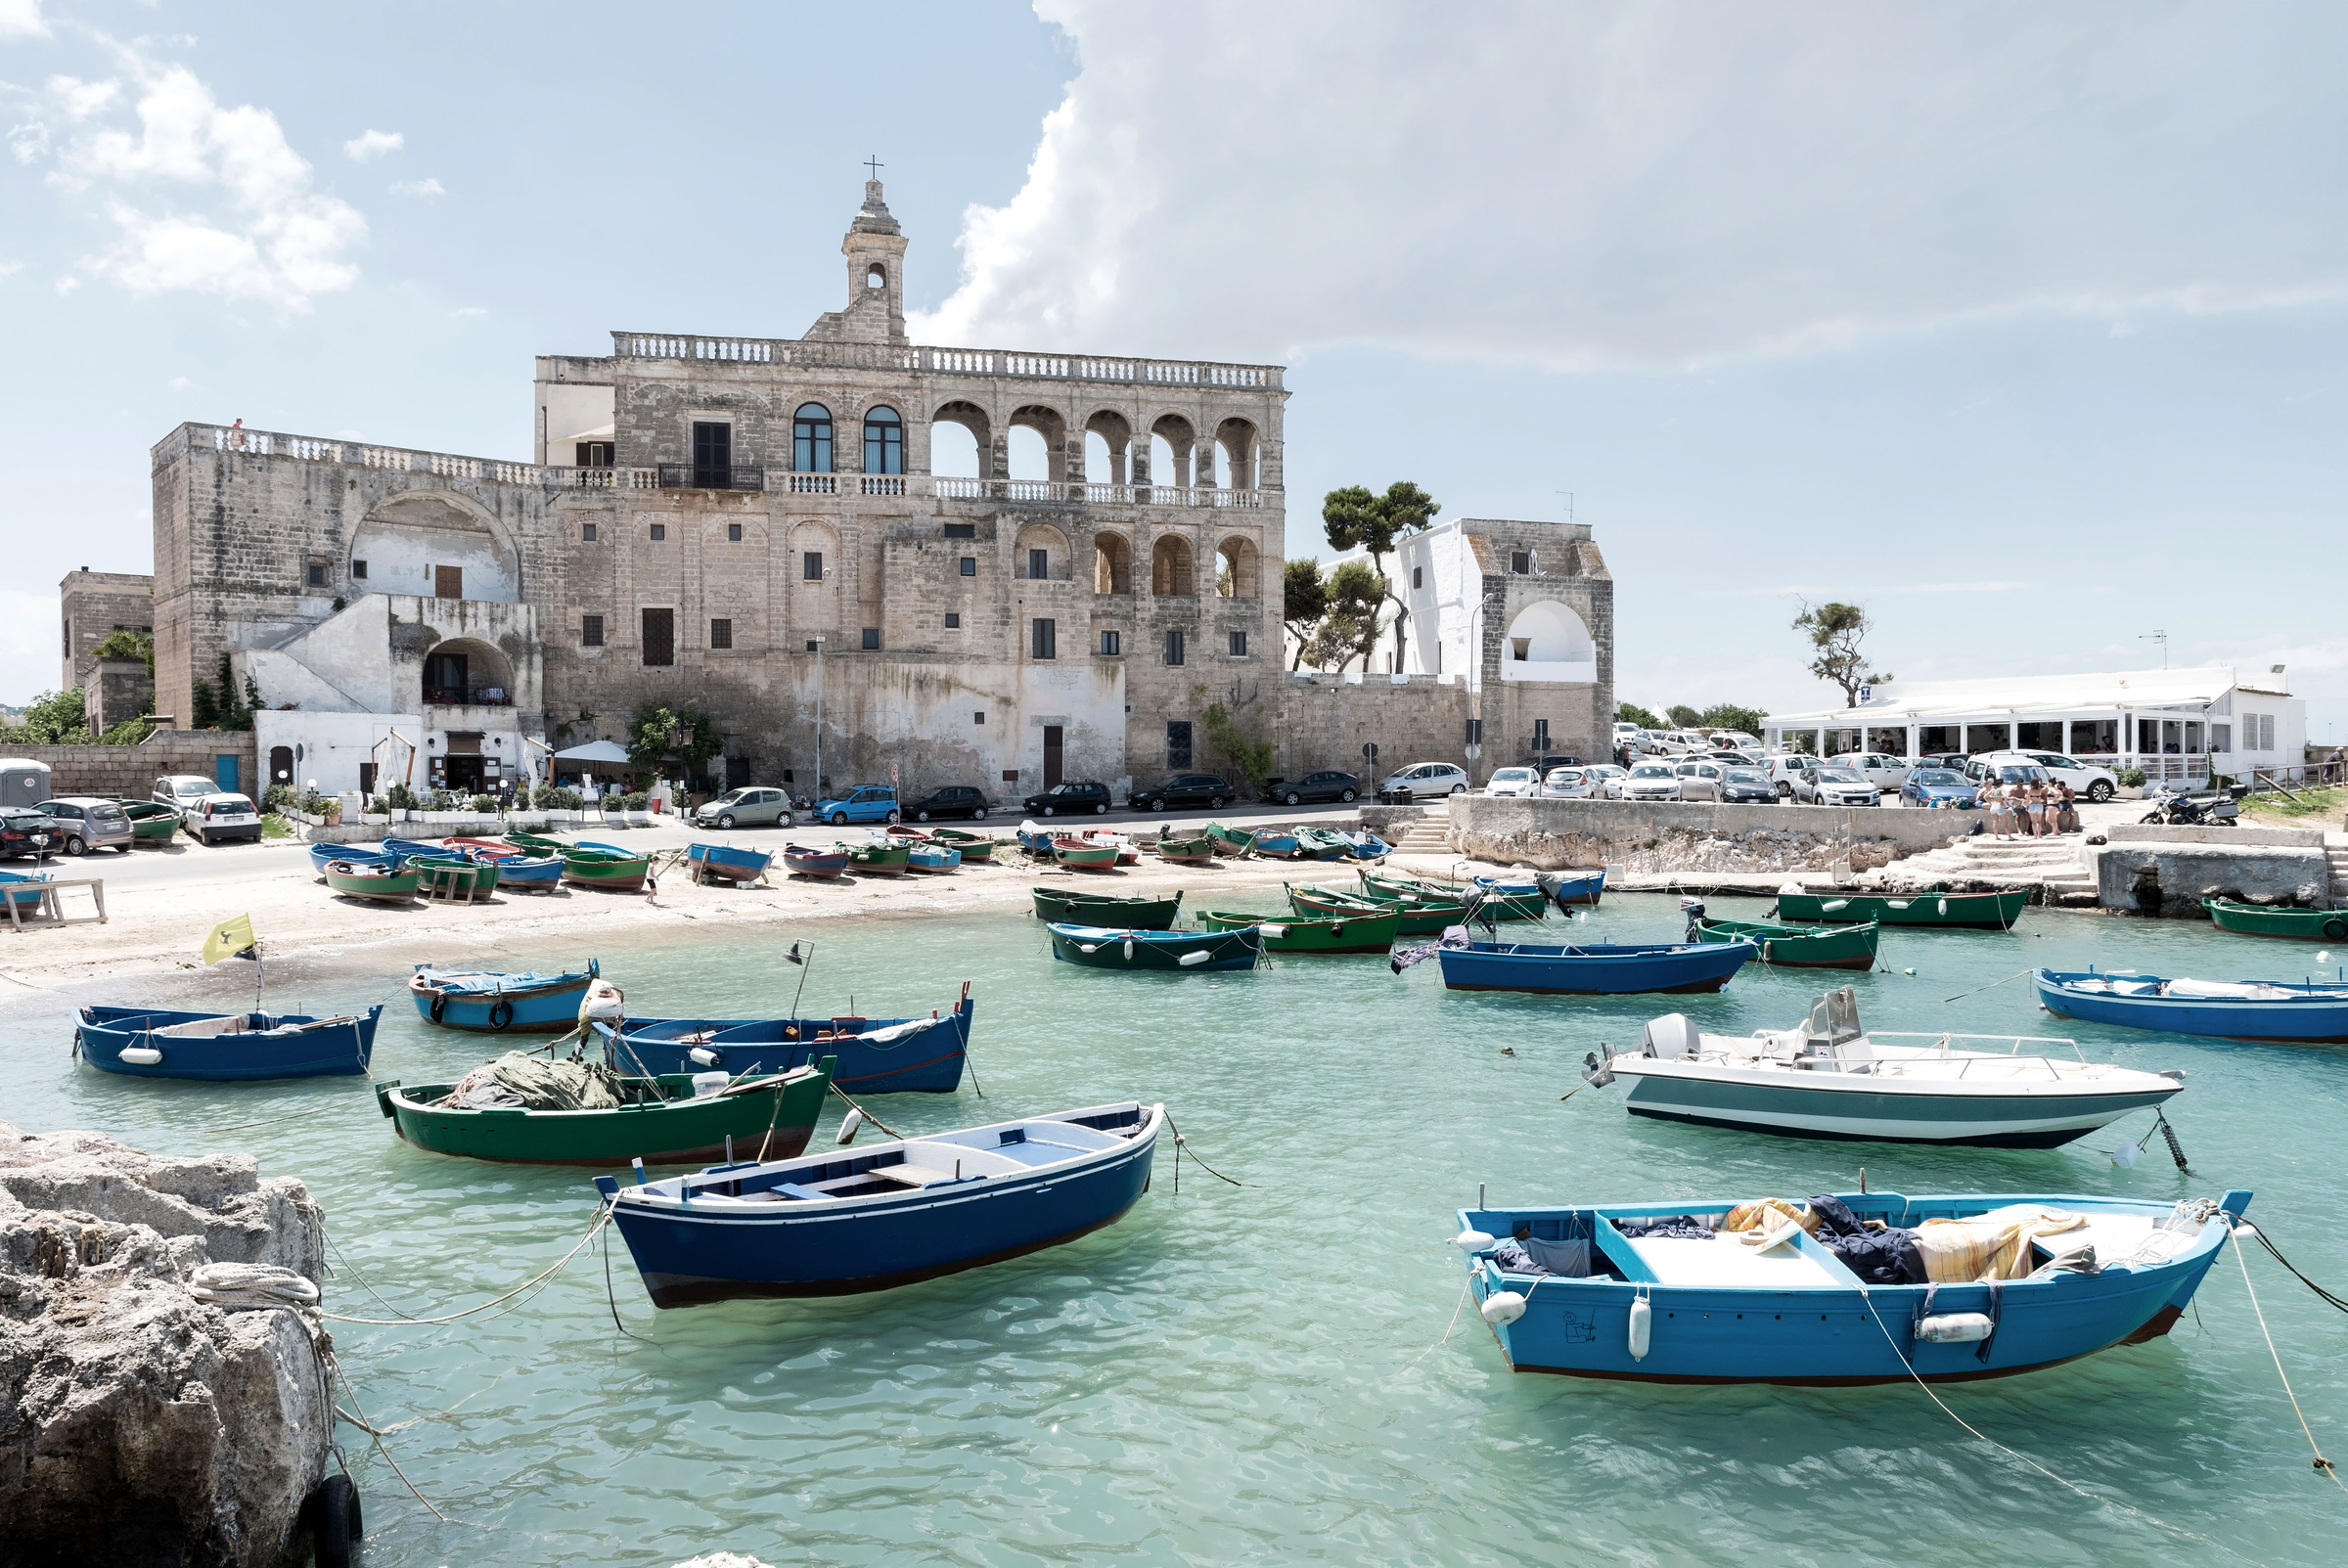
[[377, 1437], [1458, 1307], [2320, 1462], [1179, 1145], [1992, 986], [2329, 1298], [601, 1218]]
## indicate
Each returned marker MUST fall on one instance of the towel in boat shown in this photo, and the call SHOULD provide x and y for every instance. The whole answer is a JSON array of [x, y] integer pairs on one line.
[[897, 1031], [536, 1084], [1995, 1245], [2244, 991]]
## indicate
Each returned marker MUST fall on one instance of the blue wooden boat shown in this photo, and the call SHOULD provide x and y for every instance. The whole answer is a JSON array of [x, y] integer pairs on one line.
[[841, 1223], [23, 889], [532, 870], [1100, 946], [935, 858], [2313, 1011], [494, 1003], [1277, 842], [149, 1043], [1696, 1305], [1569, 888], [354, 854], [875, 1055], [1595, 968], [801, 861], [1366, 845], [722, 863]]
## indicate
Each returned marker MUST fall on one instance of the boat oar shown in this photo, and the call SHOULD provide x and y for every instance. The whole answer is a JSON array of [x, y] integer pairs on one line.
[[1992, 986], [861, 1116]]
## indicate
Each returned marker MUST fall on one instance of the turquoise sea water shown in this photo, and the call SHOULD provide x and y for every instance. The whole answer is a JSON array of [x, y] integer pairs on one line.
[[1245, 1374]]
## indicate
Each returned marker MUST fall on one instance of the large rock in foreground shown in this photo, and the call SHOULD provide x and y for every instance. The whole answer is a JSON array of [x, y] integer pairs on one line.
[[137, 1424]]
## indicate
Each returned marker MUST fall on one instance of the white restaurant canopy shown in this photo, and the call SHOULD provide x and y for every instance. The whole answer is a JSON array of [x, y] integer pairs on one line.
[[595, 752], [2000, 696]]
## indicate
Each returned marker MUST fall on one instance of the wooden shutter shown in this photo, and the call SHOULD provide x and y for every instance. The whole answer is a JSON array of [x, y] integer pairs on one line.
[[448, 582], [659, 637]]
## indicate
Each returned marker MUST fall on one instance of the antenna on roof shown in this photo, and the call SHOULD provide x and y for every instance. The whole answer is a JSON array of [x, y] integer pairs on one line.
[[2162, 637], [1568, 495]]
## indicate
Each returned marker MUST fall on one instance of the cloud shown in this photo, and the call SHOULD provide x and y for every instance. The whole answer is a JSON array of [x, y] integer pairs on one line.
[[1860, 593], [417, 188], [179, 384], [468, 313], [268, 236], [66, 285], [1624, 185], [372, 143], [22, 19], [29, 141], [9, 269]]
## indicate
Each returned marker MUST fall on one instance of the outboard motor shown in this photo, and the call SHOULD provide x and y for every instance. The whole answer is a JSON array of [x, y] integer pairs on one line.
[[1694, 908]]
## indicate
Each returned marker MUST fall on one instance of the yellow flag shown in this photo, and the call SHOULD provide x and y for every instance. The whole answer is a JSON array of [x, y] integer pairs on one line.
[[228, 939]]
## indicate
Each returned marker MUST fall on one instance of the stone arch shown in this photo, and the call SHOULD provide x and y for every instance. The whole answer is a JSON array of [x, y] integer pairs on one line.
[[1237, 443], [406, 537], [1170, 568], [1547, 641], [973, 419], [1112, 562], [1181, 439], [1240, 568], [1051, 541], [464, 669], [1116, 436], [1052, 427]]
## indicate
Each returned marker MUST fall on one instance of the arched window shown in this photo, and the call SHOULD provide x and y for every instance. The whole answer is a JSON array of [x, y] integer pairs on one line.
[[811, 440], [874, 278], [883, 442]]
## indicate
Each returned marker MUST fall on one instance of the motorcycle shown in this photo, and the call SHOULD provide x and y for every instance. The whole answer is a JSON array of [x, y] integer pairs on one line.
[[2221, 810]]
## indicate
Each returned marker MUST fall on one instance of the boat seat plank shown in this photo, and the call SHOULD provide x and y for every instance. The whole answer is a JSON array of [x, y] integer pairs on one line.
[[1724, 1260], [1620, 1251]]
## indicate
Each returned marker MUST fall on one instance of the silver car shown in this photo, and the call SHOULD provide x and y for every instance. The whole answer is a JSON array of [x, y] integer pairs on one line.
[[745, 808], [1571, 783], [1425, 781], [1700, 780], [1836, 786], [1605, 779], [86, 822], [182, 791], [1651, 780]]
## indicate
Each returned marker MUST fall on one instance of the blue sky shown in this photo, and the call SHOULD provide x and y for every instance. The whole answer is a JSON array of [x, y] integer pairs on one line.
[[2025, 328]]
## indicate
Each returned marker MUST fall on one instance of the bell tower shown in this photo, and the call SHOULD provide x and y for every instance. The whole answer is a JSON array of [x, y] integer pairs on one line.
[[875, 248]]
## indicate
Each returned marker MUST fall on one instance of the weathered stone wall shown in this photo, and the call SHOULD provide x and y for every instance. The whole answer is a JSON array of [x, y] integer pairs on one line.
[[129, 771], [1323, 720], [1567, 571], [1686, 836], [2172, 878], [94, 604], [2144, 832], [115, 691]]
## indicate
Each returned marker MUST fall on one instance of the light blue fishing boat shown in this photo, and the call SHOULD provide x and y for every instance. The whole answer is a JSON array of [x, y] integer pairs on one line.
[[23, 889], [2310, 1010], [1366, 845], [351, 854], [1665, 1293], [871, 1055], [723, 862], [495, 1003], [1595, 968], [935, 858]]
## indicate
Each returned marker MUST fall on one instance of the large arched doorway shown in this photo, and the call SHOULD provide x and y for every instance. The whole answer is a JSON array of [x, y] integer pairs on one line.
[[1547, 641]]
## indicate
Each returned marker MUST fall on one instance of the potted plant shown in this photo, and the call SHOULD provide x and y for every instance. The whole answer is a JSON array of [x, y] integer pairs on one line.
[[2131, 782], [634, 805]]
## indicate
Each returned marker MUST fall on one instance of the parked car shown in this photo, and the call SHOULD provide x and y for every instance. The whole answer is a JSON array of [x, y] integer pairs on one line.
[[2005, 767], [1061, 798], [1513, 782], [1837, 787], [1788, 773], [1736, 760], [1186, 789], [1652, 780], [1747, 786], [222, 819], [1550, 759], [864, 803], [1569, 783], [85, 823], [1425, 781], [1885, 772], [1326, 784], [1943, 759], [24, 830], [2091, 783], [1605, 779], [180, 790], [955, 800], [1701, 780], [1939, 786], [754, 807], [1734, 741]]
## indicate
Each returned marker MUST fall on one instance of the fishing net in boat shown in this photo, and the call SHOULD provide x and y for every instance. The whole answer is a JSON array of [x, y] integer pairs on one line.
[[534, 1082]]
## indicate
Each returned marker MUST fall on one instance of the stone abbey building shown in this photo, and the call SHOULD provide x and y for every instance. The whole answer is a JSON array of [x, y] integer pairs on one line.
[[754, 526]]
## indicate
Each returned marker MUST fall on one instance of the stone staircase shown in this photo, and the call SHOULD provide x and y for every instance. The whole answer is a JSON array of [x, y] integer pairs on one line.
[[2055, 865], [2337, 856], [1426, 835]]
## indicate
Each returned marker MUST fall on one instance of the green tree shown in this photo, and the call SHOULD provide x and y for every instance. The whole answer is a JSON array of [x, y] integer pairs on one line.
[[54, 719], [1682, 716], [657, 733], [1632, 713], [1728, 716], [125, 643], [1356, 519], [1836, 632], [1304, 601], [1250, 760], [1349, 630]]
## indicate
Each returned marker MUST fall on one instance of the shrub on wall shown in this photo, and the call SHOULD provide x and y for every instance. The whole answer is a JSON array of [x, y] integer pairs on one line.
[[485, 804]]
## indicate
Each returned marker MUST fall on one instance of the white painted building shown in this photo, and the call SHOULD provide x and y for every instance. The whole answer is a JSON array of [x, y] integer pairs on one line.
[[2176, 725]]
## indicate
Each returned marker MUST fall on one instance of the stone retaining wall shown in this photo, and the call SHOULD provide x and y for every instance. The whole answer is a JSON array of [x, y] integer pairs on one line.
[[2173, 878], [129, 773], [1691, 835], [2146, 832]]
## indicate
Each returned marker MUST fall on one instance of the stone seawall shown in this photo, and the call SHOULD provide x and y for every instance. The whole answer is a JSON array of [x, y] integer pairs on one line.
[[1691, 836], [2172, 878]]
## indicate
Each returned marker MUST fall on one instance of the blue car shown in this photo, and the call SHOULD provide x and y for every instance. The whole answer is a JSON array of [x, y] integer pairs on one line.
[[864, 803], [1940, 786]]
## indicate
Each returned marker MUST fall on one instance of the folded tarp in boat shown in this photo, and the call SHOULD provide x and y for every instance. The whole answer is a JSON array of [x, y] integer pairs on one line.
[[1568, 1260], [1990, 1246], [535, 1083]]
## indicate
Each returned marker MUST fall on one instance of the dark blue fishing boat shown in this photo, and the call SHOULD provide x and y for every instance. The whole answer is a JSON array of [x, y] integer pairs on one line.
[[148, 1043], [838, 1224], [722, 863], [1366, 845], [1595, 968], [1569, 888], [875, 1055], [494, 1003], [2313, 1011], [350, 854], [1714, 1292], [800, 860]]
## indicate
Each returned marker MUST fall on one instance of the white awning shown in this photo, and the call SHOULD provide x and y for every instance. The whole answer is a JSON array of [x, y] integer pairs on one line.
[[1996, 699], [606, 751]]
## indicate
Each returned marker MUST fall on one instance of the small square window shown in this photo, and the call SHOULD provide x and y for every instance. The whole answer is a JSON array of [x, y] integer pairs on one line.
[[811, 566], [586, 534], [591, 631], [1112, 643], [979, 717], [872, 637], [962, 531], [953, 620], [813, 647], [970, 565], [659, 530], [1417, 577], [358, 570], [1174, 652], [1520, 561], [721, 633], [734, 533], [1239, 644], [317, 574]]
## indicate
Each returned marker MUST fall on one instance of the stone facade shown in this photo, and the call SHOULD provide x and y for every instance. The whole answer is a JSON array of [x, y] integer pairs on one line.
[[92, 606], [129, 773]]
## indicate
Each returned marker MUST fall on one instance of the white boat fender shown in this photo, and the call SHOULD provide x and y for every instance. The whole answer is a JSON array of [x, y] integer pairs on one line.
[[2124, 1156], [1954, 1329], [1502, 1308], [1834, 903], [1189, 958], [1944, 906], [1129, 949], [2243, 1232], [142, 1055], [1275, 932], [1642, 1324], [706, 1084], [1472, 1240], [704, 1055]]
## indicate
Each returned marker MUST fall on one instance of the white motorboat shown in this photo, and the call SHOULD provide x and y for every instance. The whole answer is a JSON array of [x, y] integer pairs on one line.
[[1830, 1078]]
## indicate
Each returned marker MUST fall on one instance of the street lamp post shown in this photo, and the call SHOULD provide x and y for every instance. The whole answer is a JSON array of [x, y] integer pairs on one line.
[[817, 794]]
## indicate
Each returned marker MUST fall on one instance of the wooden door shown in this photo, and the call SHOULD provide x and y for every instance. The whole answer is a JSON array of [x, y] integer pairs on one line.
[[448, 582], [1052, 751]]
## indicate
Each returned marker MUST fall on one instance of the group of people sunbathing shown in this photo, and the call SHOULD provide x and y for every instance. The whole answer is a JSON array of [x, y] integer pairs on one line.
[[2030, 810]]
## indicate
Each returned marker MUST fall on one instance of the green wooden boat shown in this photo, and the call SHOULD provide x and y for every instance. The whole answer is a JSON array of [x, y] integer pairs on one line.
[[1794, 947], [484, 872], [1236, 842], [1368, 932], [1955, 912], [1134, 912], [1186, 851], [149, 819], [664, 1123], [610, 870], [1168, 952], [535, 843], [878, 858], [1529, 905], [976, 848], [1077, 855], [2256, 919], [1418, 915], [376, 882], [1319, 843]]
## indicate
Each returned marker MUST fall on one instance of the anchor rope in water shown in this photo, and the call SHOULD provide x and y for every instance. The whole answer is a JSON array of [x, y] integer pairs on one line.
[[1992, 986], [2329, 1298], [603, 1217], [1179, 1145], [1457, 1308], [335, 1366], [2320, 1462]]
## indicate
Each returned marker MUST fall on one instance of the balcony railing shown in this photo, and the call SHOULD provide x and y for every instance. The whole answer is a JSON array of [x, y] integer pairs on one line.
[[1006, 363], [697, 477], [466, 696]]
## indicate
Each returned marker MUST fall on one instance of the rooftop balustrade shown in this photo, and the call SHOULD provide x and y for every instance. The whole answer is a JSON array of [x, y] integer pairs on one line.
[[942, 361]]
